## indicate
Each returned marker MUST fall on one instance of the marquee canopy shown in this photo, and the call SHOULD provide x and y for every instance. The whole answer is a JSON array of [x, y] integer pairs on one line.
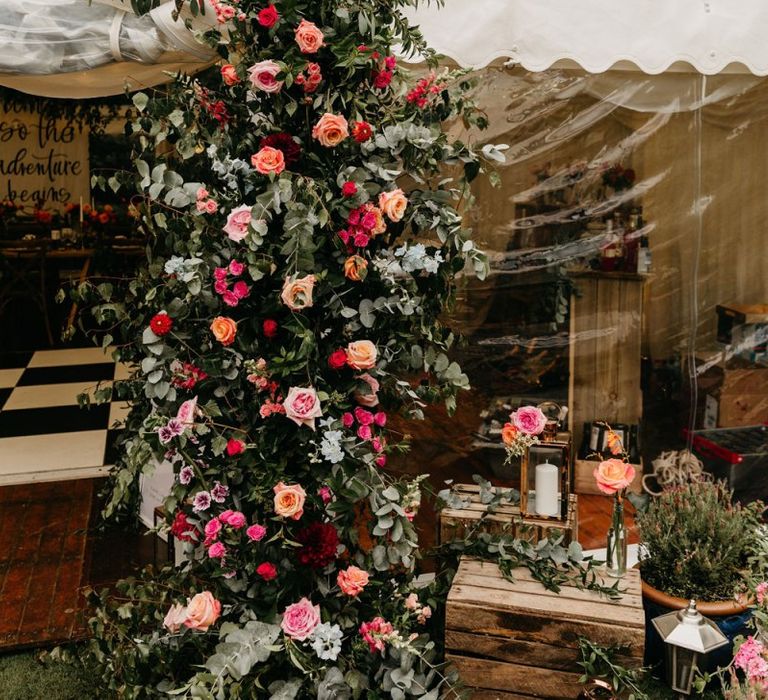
[[654, 36]]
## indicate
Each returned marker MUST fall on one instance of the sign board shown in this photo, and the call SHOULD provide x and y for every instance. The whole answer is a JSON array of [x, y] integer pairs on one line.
[[43, 161]]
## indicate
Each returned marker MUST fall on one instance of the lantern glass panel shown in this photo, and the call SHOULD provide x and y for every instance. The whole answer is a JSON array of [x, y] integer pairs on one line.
[[544, 481], [681, 664]]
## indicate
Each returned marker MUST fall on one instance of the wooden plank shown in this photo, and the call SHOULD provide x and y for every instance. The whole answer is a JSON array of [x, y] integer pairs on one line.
[[505, 648], [524, 578], [547, 604], [533, 626], [536, 682], [497, 695], [569, 593]]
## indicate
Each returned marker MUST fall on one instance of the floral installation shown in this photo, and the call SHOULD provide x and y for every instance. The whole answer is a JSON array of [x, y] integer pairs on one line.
[[523, 430], [304, 238]]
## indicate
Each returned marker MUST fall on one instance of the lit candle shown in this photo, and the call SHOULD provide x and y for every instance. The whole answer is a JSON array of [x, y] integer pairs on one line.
[[547, 488]]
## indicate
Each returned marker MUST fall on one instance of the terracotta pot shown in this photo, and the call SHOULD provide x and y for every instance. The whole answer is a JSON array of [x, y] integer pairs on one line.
[[722, 608]]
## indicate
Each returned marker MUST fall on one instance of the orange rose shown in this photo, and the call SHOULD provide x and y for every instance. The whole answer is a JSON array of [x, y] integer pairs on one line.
[[289, 500], [393, 204], [613, 475], [268, 160], [361, 354], [224, 329], [352, 581], [355, 268], [330, 130], [308, 37], [509, 434], [297, 293], [202, 611]]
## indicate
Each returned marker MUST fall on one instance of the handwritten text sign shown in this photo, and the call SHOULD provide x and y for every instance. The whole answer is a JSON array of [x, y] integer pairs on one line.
[[43, 161]]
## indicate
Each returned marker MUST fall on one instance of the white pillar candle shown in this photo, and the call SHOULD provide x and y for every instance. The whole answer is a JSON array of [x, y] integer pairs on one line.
[[547, 489]]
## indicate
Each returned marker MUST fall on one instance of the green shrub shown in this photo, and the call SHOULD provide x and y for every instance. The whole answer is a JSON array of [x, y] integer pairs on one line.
[[698, 543]]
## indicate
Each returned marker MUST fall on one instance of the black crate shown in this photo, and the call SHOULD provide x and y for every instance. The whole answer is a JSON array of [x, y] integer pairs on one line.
[[738, 455]]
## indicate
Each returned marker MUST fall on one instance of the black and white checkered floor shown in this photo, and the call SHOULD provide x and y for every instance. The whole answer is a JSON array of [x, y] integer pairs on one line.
[[44, 435]]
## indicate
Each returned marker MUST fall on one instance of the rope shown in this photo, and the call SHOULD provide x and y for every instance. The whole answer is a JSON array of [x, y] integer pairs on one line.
[[674, 468]]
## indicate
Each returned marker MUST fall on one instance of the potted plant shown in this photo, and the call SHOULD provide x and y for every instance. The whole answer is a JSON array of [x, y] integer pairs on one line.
[[697, 543]]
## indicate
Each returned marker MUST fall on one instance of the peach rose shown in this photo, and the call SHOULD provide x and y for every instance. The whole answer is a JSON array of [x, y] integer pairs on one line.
[[352, 581], [361, 354], [330, 130], [289, 500], [268, 160], [202, 611], [509, 434], [262, 76], [393, 204], [229, 74], [308, 37], [175, 618], [355, 268], [613, 475], [297, 293], [224, 329]]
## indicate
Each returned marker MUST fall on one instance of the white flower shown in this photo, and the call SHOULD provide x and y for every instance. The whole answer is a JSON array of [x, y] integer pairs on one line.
[[331, 446], [326, 641]]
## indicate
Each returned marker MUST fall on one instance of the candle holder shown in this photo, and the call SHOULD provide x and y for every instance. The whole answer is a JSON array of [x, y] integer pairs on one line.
[[545, 479]]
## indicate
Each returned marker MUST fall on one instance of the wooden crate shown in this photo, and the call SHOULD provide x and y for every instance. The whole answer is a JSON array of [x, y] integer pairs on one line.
[[584, 481], [455, 522], [518, 640]]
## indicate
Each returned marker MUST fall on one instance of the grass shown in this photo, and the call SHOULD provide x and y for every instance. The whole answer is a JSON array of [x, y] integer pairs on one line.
[[23, 677]]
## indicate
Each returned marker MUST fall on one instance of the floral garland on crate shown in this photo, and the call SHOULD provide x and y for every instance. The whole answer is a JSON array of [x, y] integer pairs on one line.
[[305, 236]]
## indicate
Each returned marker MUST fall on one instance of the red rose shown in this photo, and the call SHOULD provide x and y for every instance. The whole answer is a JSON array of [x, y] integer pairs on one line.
[[361, 131], [235, 447], [349, 189], [382, 79], [337, 359], [267, 571], [285, 143], [182, 529], [161, 324], [270, 328], [268, 16]]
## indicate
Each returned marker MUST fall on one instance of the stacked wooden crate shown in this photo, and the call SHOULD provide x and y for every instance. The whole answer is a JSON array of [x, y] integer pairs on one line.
[[454, 522], [518, 640]]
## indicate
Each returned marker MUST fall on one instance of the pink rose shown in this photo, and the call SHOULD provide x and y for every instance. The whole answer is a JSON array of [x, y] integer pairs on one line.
[[268, 160], [202, 611], [175, 618], [300, 619], [364, 432], [381, 461], [302, 406], [760, 592], [217, 550], [256, 533], [352, 581], [262, 76], [613, 475], [412, 601], [326, 495], [233, 518], [212, 529], [362, 354], [237, 224], [380, 419], [347, 420], [186, 412], [308, 37], [330, 130], [235, 268], [529, 420], [297, 292], [363, 417], [289, 500], [370, 399]]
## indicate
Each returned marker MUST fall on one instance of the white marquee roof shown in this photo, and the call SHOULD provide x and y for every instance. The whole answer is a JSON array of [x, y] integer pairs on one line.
[[710, 36]]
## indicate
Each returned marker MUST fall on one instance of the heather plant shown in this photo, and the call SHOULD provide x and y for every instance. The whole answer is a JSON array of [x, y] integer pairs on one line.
[[700, 544]]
